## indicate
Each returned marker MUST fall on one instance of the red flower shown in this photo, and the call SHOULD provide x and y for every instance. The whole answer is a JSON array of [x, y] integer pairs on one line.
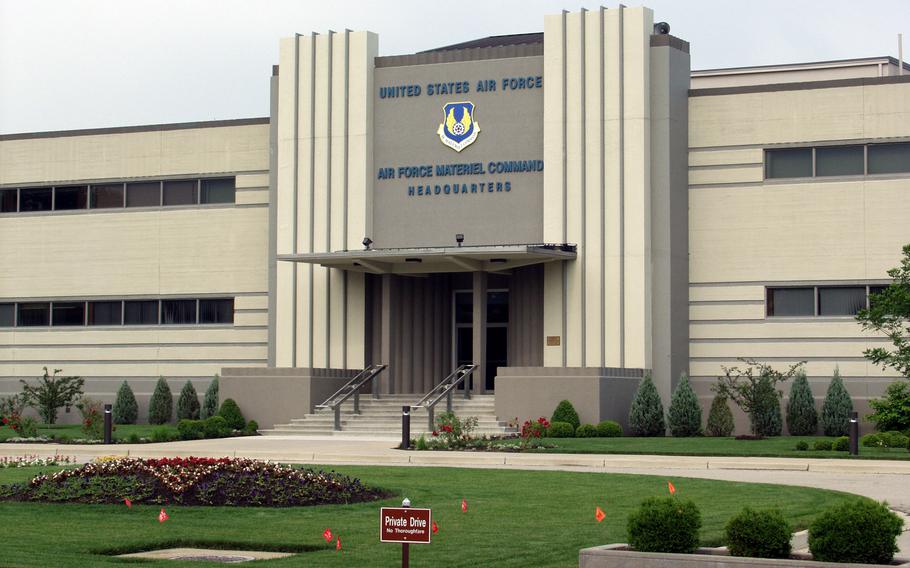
[[435, 433], [5, 420]]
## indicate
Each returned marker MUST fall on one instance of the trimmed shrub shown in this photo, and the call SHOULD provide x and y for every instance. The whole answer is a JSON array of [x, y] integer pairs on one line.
[[684, 415], [164, 434], [216, 427], [134, 438], [720, 418], [802, 418], [210, 401], [565, 412], [859, 531], [586, 431], [823, 445], [560, 430], [191, 429], [802, 446], [837, 408], [126, 409], [231, 414], [766, 415], [664, 524], [872, 441], [188, 403], [161, 405], [609, 429], [251, 428], [758, 534], [892, 412], [646, 416], [841, 444]]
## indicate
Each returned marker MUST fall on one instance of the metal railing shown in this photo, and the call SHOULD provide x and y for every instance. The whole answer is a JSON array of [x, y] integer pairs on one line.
[[444, 389], [352, 388]]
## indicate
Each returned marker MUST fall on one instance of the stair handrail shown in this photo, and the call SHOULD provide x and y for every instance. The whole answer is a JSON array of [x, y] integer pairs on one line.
[[352, 388], [444, 389]]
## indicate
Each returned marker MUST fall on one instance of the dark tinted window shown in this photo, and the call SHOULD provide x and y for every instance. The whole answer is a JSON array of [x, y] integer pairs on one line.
[[35, 199], [841, 301], [788, 163], [217, 190], [216, 311], [7, 315], [68, 313], [839, 161], [464, 307], [107, 196], [8, 201], [497, 307], [34, 314], [104, 313], [180, 192], [791, 301], [66, 198], [889, 158], [144, 194], [178, 311], [140, 312]]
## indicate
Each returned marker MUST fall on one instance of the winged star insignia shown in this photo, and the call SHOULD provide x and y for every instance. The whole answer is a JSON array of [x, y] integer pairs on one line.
[[458, 129]]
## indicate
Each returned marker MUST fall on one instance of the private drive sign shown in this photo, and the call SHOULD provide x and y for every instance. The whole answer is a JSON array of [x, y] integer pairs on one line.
[[405, 525]]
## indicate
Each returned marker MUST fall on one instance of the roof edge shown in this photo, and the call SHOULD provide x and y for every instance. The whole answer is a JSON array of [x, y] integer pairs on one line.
[[138, 128]]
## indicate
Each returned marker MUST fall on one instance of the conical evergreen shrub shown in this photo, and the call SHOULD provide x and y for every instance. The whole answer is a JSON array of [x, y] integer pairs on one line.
[[646, 416], [126, 409], [684, 415], [565, 412], [766, 418], [802, 418], [210, 402], [231, 414], [188, 403], [161, 405], [720, 418], [837, 408]]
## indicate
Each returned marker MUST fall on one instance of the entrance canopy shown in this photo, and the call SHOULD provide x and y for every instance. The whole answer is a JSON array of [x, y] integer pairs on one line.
[[424, 260]]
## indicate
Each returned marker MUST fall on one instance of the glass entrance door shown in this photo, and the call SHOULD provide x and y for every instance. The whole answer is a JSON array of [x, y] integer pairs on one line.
[[497, 331]]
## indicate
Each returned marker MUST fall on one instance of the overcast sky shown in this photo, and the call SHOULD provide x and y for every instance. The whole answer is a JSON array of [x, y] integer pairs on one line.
[[71, 64]]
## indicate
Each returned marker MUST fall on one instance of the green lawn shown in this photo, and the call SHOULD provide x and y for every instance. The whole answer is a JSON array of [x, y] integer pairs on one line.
[[514, 519], [73, 431]]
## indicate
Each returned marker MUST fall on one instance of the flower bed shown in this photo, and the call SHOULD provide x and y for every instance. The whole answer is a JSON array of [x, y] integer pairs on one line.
[[35, 461], [193, 481]]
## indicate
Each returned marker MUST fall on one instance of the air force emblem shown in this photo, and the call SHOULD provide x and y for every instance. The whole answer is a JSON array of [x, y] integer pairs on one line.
[[458, 129]]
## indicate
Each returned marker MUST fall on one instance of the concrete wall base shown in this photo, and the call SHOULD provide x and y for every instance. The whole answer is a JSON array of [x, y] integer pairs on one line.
[[619, 556], [271, 395]]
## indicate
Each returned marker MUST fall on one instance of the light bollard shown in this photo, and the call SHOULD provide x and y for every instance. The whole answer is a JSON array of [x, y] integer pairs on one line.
[[405, 427], [854, 433], [108, 424]]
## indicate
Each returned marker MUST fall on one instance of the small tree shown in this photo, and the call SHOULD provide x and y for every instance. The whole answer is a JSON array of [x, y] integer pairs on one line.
[[837, 408], [802, 418], [720, 418], [188, 403], [161, 405], [750, 388], [51, 393], [893, 411], [210, 402], [684, 415], [646, 416], [126, 409], [889, 313], [565, 412]]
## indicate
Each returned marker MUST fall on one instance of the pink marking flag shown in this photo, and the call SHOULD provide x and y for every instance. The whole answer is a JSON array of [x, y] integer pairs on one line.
[[327, 535], [128, 503], [671, 488], [464, 506], [338, 544], [162, 516], [435, 527]]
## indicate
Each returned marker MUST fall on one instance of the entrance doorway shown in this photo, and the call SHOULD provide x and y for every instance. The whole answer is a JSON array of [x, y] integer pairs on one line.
[[497, 332]]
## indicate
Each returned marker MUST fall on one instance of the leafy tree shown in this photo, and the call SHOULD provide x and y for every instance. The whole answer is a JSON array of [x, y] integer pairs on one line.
[[646, 416], [889, 313], [720, 418], [684, 415], [893, 411], [126, 409], [161, 405], [751, 388], [188, 403], [51, 393], [802, 418], [565, 412], [837, 408], [210, 402]]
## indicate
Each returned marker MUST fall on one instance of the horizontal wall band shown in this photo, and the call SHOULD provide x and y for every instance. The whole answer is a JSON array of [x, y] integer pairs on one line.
[[789, 339], [221, 361], [763, 359], [143, 128], [188, 345], [801, 144], [730, 166], [726, 302], [857, 282], [131, 179], [184, 296]]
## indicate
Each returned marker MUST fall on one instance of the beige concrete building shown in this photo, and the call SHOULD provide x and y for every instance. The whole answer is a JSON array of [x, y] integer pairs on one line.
[[566, 211]]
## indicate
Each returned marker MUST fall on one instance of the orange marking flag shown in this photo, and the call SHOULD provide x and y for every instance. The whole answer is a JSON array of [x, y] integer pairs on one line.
[[162, 516], [435, 528], [338, 544], [671, 488], [464, 506], [599, 514]]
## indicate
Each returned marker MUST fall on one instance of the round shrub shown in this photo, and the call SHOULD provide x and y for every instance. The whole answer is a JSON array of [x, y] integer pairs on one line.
[[758, 534], [565, 412], [231, 414], [859, 531], [586, 431], [802, 446], [252, 428], [893, 439], [872, 441], [720, 418], [188, 403], [609, 429], [161, 405], [561, 430], [646, 416], [664, 524], [191, 429], [126, 409], [841, 444], [824, 445], [684, 415], [216, 427]]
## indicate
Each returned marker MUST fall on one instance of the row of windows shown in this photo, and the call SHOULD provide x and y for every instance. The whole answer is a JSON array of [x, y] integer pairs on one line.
[[118, 312], [838, 160], [118, 195], [819, 300]]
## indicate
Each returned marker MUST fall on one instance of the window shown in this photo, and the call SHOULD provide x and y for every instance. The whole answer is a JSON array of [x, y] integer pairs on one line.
[[841, 301], [464, 307], [839, 161], [497, 307], [34, 314], [178, 311], [35, 199], [788, 163], [7, 315], [105, 313], [68, 313], [791, 301], [180, 192], [143, 194], [107, 196], [140, 312], [219, 190], [68, 198], [216, 311], [9, 201], [889, 158]]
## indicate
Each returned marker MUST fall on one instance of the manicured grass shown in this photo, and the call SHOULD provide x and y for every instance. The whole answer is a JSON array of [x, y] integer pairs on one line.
[[514, 519], [73, 431]]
